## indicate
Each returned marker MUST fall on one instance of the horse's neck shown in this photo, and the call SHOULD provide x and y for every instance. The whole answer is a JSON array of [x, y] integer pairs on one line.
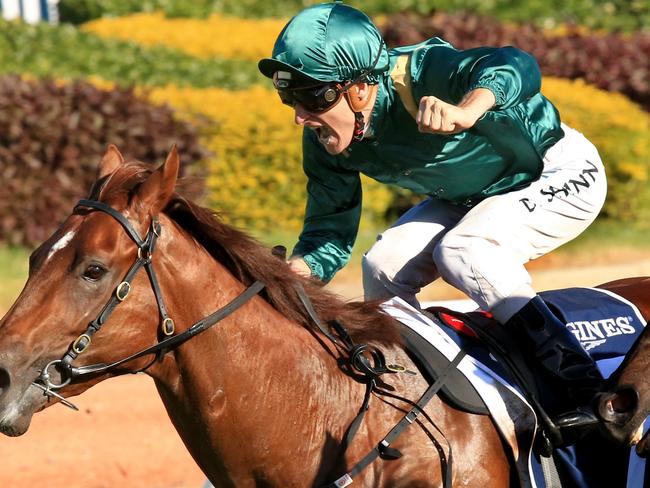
[[248, 377]]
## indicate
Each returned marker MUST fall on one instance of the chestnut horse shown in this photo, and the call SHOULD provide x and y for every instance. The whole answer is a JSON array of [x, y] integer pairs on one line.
[[260, 399], [625, 405]]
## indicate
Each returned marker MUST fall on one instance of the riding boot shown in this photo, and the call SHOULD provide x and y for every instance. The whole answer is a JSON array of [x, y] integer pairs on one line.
[[563, 358]]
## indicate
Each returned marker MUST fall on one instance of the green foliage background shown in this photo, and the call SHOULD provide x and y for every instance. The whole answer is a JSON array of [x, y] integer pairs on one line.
[[254, 164], [626, 15], [67, 53]]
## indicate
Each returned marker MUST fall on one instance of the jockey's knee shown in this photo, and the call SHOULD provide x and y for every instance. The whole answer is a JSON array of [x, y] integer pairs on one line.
[[376, 272], [389, 271], [453, 255]]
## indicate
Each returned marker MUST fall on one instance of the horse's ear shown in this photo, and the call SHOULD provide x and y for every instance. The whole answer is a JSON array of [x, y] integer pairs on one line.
[[156, 191], [111, 160]]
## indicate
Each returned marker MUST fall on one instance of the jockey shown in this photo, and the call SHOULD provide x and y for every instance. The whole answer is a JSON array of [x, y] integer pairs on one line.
[[506, 181]]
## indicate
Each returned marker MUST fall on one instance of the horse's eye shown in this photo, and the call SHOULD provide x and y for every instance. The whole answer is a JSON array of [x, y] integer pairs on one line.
[[94, 272]]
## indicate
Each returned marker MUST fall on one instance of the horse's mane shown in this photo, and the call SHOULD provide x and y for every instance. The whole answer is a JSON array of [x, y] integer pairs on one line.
[[248, 260]]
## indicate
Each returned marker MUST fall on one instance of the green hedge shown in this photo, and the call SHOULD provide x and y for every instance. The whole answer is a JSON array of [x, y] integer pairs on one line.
[[67, 53], [627, 15]]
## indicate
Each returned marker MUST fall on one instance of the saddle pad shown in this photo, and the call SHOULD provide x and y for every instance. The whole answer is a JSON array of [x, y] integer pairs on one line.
[[505, 403]]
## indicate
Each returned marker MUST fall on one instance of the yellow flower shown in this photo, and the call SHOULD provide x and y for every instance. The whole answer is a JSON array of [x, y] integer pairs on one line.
[[216, 36], [256, 175], [620, 130]]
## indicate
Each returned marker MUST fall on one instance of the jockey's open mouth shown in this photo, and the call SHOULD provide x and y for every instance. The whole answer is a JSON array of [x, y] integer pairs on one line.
[[324, 134]]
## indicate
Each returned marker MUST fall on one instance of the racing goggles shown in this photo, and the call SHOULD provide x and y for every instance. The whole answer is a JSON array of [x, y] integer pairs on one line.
[[320, 97], [316, 98]]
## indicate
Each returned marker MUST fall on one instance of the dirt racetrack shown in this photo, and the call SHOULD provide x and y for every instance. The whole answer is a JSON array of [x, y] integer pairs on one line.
[[120, 438], [123, 438]]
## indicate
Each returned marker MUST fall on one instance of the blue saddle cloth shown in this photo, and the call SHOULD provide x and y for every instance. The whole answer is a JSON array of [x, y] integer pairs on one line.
[[607, 326]]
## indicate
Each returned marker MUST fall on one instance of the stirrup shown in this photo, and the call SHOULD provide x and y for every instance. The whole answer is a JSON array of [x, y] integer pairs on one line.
[[576, 424], [564, 430]]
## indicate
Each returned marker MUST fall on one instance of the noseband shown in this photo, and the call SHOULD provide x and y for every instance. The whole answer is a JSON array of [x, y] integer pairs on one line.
[[146, 249]]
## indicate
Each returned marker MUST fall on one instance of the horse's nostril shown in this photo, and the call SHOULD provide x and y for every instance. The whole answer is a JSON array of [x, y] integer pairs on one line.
[[5, 380], [624, 400]]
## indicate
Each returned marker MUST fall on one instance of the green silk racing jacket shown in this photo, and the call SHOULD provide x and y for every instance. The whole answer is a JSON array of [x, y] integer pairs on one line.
[[501, 153]]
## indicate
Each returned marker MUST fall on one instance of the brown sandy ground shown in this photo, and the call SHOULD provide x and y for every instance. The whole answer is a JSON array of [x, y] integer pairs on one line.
[[121, 437], [560, 270]]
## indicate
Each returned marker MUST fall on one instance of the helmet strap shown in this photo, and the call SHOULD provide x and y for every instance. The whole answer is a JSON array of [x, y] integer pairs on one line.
[[359, 127]]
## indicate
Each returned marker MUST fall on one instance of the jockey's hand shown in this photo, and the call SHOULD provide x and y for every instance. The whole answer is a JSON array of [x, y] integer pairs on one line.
[[299, 266], [438, 117]]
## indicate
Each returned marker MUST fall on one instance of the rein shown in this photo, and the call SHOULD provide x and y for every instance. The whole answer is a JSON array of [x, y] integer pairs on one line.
[[146, 247]]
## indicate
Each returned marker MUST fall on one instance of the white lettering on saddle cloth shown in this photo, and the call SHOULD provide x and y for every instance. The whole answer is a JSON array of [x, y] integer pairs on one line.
[[596, 332]]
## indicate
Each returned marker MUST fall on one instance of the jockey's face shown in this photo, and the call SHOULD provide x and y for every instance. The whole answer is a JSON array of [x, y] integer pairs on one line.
[[335, 126]]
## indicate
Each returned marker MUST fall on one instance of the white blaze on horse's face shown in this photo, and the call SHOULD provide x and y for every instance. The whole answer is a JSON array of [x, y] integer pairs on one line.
[[61, 243]]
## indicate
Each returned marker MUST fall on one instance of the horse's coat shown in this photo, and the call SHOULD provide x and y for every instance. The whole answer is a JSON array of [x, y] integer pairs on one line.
[[625, 404], [261, 398]]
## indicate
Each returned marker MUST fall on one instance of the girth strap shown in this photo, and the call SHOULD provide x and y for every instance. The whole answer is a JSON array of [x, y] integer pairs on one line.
[[381, 448], [358, 359]]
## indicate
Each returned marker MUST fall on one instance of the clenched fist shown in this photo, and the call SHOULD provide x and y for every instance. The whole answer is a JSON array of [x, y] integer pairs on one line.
[[438, 117]]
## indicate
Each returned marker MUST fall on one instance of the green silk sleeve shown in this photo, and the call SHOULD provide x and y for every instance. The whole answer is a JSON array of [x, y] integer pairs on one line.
[[333, 210], [511, 74]]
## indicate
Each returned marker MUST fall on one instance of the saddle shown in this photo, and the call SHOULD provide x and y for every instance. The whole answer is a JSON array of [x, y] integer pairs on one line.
[[478, 333], [495, 369], [605, 324], [457, 390], [481, 331]]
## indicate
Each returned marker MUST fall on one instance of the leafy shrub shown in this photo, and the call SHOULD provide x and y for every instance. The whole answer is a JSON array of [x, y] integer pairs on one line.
[[80, 11], [255, 176], [67, 53], [612, 62], [596, 14], [619, 129], [52, 137]]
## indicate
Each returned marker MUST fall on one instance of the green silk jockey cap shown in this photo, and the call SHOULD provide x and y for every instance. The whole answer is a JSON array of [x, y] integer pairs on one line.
[[329, 42]]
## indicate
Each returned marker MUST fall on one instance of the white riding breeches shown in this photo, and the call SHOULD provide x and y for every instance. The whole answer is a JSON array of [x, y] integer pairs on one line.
[[482, 250]]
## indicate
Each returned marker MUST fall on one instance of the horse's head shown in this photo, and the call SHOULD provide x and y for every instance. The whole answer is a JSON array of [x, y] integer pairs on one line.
[[625, 405], [72, 277]]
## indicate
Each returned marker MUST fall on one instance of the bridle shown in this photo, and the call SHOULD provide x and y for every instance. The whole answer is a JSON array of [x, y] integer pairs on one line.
[[144, 260], [357, 354]]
